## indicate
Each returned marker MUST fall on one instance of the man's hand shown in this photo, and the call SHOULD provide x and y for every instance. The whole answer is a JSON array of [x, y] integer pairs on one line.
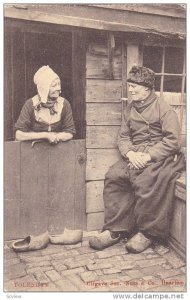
[[138, 160], [146, 157]]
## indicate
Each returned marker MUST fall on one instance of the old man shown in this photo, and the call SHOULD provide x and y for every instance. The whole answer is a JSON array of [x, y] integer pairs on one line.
[[138, 189]]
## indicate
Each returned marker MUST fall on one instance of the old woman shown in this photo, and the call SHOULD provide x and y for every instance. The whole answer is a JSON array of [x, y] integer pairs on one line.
[[47, 115]]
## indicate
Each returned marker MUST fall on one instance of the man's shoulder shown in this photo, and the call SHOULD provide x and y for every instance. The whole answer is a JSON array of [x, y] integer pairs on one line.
[[164, 106]]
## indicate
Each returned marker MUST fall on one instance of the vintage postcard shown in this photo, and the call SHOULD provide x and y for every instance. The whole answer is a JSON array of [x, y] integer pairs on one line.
[[94, 148]]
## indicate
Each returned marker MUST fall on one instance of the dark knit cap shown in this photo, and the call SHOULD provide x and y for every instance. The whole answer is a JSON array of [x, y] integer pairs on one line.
[[142, 76]]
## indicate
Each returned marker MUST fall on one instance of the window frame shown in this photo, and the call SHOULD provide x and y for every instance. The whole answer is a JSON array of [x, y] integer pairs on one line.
[[162, 75]]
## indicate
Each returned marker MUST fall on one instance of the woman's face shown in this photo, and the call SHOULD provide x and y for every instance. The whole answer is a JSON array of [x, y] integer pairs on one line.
[[55, 88]]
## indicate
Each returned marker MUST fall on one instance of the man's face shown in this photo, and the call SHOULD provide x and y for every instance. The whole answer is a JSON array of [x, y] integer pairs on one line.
[[137, 92]]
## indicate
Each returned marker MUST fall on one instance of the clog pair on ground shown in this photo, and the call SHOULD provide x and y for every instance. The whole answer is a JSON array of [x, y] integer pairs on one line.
[[138, 243], [68, 237]]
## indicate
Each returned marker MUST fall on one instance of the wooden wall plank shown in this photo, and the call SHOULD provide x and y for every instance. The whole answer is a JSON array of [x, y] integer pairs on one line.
[[98, 90], [18, 73], [94, 196], [8, 84], [97, 62], [102, 136], [99, 161], [95, 221], [61, 187], [98, 67], [11, 219], [11, 189], [34, 188], [12, 170], [103, 113], [79, 184], [178, 225]]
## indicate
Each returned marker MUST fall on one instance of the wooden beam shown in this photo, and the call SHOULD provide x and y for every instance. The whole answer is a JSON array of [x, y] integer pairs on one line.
[[111, 48], [124, 70], [79, 81], [83, 16], [173, 10]]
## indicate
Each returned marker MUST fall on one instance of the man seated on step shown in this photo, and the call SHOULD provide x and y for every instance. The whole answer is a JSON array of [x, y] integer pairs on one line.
[[139, 189]]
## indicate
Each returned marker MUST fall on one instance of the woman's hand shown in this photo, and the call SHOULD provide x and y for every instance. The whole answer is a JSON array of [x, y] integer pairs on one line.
[[64, 136], [138, 160], [52, 137], [55, 137]]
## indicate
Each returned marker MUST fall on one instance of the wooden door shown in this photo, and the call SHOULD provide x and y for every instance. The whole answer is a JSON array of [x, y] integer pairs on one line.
[[44, 188]]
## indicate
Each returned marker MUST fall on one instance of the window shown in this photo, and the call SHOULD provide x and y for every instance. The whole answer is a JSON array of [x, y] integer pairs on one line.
[[169, 65]]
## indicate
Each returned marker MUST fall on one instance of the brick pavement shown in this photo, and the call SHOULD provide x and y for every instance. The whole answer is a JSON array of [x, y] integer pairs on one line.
[[80, 268]]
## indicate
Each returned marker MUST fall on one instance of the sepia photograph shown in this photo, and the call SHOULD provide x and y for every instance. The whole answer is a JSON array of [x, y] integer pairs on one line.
[[94, 148]]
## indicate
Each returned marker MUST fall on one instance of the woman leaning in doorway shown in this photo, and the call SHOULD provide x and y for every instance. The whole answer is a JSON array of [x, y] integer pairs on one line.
[[46, 116]]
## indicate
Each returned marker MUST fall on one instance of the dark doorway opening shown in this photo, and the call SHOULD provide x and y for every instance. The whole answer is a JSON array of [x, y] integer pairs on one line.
[[27, 47], [50, 49]]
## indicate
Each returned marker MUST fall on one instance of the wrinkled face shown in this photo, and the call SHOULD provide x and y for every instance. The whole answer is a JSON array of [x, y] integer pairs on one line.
[[55, 88], [138, 92]]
